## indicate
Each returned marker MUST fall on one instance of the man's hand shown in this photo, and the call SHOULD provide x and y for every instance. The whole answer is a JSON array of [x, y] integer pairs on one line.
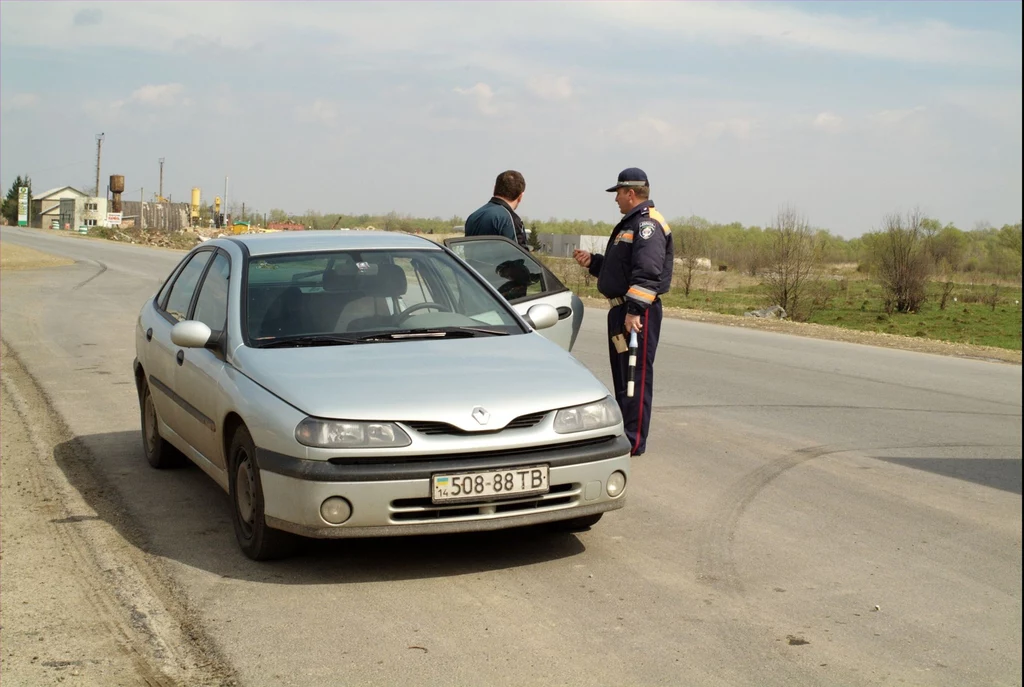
[[633, 323], [582, 257]]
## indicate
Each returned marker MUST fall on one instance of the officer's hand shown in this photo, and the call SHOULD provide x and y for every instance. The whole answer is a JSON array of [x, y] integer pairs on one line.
[[582, 257], [633, 323]]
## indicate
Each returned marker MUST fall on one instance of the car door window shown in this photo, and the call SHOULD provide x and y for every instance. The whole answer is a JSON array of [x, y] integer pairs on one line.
[[514, 273], [212, 304], [180, 297]]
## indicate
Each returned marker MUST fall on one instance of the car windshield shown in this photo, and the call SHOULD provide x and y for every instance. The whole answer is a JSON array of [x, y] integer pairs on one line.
[[354, 296]]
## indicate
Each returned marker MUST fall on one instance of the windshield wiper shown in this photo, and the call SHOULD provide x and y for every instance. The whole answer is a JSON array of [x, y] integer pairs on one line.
[[306, 340], [434, 333]]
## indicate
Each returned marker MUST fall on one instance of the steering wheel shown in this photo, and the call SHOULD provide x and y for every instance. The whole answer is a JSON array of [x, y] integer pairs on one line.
[[404, 315]]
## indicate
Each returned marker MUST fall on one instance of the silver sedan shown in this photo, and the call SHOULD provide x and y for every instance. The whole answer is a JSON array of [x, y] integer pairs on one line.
[[355, 384]]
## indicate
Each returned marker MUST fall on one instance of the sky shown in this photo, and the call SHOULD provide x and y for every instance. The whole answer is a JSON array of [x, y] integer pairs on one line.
[[846, 111]]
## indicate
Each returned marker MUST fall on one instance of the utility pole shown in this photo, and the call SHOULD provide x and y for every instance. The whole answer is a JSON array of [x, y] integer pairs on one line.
[[227, 213], [161, 180], [142, 199], [99, 149]]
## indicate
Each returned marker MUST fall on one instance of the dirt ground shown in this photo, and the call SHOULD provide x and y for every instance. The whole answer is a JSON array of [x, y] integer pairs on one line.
[[15, 257], [80, 605]]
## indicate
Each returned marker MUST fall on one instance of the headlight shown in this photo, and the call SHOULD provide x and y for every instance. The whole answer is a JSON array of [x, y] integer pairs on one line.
[[604, 413], [343, 434]]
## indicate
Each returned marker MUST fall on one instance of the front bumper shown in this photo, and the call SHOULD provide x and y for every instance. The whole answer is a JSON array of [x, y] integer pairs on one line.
[[393, 499]]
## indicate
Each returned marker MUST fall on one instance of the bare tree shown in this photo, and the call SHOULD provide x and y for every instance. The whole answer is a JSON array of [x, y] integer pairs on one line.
[[793, 254], [901, 261], [692, 246]]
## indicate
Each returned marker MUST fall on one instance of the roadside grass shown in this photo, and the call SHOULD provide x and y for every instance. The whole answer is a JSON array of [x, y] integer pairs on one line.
[[979, 310]]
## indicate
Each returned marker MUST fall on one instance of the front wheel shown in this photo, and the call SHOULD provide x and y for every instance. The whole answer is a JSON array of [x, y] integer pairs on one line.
[[580, 524], [159, 454], [257, 541]]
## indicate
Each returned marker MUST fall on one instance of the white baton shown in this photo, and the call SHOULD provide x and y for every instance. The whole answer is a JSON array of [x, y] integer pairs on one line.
[[632, 364]]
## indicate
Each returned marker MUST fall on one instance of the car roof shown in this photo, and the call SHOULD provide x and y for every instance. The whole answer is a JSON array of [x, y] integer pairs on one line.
[[325, 240]]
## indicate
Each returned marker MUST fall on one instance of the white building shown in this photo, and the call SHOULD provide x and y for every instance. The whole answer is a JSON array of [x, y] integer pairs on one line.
[[59, 208]]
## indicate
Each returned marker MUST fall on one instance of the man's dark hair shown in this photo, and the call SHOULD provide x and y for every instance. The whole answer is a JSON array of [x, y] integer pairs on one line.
[[509, 185]]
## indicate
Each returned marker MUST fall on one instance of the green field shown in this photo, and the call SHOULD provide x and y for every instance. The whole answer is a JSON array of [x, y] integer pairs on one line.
[[851, 300]]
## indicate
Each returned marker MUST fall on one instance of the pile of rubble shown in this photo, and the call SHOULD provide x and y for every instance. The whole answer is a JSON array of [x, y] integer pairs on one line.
[[182, 240]]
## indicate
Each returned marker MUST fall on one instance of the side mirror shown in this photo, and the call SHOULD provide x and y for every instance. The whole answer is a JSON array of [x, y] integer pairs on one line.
[[542, 316], [190, 334]]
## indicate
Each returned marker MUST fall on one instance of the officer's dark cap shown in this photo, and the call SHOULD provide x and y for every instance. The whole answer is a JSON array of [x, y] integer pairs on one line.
[[634, 177]]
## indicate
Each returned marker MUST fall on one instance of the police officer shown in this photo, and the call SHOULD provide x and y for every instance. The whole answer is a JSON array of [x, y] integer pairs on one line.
[[498, 216], [635, 270]]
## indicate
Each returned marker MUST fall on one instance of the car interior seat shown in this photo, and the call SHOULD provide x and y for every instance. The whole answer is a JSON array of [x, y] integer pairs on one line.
[[371, 310]]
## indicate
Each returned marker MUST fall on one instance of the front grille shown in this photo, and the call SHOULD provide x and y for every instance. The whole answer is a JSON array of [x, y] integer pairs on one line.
[[473, 455], [436, 428], [424, 510]]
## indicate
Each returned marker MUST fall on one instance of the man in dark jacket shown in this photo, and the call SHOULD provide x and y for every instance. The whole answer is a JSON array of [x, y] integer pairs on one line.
[[635, 270], [498, 217]]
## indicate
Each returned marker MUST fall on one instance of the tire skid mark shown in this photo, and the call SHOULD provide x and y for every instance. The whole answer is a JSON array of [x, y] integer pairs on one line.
[[103, 268], [716, 564]]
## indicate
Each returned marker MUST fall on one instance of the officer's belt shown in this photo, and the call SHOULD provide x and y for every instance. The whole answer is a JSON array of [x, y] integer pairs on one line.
[[619, 301]]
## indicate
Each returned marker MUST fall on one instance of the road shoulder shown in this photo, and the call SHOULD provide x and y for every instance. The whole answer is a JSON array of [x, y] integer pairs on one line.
[[80, 604]]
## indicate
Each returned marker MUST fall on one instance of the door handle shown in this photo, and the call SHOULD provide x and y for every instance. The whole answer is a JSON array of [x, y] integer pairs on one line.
[[181, 357], [149, 334], [564, 312]]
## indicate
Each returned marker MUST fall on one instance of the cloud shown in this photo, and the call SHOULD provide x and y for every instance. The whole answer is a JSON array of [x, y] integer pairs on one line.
[[20, 101], [828, 122], [483, 95], [737, 127], [551, 87], [318, 111], [894, 117], [87, 17], [927, 41], [158, 95]]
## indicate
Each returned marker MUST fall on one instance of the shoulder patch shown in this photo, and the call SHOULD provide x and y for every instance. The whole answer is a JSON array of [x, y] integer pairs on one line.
[[647, 229]]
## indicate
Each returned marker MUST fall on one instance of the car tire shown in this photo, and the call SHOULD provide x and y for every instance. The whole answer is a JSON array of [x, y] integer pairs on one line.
[[257, 541], [159, 453], [580, 524]]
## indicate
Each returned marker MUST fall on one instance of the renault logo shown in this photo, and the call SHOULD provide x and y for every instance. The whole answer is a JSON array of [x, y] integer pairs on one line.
[[481, 415]]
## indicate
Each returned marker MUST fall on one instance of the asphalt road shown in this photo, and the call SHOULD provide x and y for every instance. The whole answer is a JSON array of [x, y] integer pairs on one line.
[[808, 513]]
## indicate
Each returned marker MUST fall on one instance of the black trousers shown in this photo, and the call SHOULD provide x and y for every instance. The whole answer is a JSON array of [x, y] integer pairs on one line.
[[636, 411]]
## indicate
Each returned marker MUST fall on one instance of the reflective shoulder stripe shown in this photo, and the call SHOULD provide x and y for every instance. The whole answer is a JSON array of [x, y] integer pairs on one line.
[[661, 220]]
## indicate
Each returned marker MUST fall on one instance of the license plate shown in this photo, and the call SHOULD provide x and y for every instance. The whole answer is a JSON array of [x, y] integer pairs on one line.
[[474, 486]]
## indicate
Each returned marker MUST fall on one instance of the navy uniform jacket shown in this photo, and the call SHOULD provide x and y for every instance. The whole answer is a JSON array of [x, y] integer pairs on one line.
[[497, 218], [637, 264]]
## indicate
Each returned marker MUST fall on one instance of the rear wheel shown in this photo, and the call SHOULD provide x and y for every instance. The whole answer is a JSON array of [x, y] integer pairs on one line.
[[580, 524], [257, 541], [159, 454]]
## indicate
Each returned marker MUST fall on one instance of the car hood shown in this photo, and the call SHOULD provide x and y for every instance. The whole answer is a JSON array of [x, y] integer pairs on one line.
[[438, 379]]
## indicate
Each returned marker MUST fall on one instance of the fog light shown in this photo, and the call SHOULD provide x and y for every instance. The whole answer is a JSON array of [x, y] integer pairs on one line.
[[335, 510], [616, 484]]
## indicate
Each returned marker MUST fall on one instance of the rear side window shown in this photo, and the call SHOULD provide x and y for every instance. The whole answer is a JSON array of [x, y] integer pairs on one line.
[[184, 286]]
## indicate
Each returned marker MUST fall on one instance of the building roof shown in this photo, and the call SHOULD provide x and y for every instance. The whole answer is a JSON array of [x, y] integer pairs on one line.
[[55, 191]]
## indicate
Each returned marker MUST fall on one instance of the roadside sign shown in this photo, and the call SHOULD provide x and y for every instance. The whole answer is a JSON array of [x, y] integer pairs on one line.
[[23, 206], [114, 219]]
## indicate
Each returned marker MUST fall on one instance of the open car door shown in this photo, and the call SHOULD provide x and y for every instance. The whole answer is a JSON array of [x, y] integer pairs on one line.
[[523, 280]]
